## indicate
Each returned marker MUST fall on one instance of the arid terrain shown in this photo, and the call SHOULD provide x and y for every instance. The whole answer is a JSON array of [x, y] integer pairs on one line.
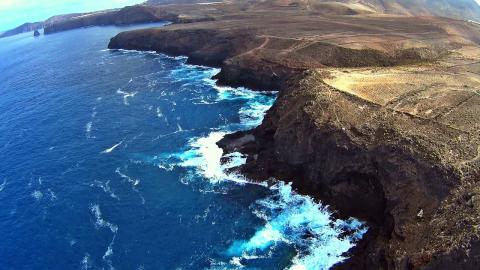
[[377, 116]]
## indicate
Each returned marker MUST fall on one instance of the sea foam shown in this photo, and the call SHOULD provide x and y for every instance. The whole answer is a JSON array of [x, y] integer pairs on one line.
[[298, 220], [101, 223]]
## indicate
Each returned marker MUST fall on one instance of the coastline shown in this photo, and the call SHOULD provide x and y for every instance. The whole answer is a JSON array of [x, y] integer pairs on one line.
[[341, 161]]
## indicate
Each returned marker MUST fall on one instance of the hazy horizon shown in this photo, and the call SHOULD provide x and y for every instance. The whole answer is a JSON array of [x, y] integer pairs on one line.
[[23, 11], [17, 12]]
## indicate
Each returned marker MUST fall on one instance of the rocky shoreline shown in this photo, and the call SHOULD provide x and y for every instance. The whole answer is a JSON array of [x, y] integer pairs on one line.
[[385, 131]]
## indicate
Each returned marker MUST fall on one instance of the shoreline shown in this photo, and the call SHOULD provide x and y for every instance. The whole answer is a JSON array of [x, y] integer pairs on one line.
[[401, 167]]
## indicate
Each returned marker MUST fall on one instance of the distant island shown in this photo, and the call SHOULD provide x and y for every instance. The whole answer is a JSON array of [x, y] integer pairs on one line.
[[378, 114]]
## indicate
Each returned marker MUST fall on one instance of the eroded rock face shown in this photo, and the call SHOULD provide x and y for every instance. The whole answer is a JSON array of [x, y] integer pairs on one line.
[[202, 46], [395, 170]]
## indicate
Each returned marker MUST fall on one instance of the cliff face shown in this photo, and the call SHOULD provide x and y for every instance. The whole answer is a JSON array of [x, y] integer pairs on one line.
[[402, 173], [377, 117]]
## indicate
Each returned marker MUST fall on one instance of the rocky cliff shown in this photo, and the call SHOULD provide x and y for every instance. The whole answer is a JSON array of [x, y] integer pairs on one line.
[[377, 117]]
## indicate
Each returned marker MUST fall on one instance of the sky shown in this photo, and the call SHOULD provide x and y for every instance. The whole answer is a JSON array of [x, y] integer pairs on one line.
[[16, 12]]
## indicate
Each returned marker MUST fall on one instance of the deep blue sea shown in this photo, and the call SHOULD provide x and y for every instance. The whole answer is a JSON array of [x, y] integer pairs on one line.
[[108, 161]]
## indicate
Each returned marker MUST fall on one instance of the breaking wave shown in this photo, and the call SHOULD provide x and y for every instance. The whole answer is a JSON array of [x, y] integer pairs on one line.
[[298, 220], [291, 219]]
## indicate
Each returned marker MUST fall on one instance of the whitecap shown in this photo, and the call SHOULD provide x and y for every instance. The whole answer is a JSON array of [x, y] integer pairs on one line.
[[86, 262], [106, 188], [88, 129], [109, 150], [132, 181], [37, 194], [159, 113], [126, 95], [3, 185], [52, 195]]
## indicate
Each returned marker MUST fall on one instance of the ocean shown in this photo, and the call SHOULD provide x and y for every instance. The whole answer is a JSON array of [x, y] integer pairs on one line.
[[108, 160]]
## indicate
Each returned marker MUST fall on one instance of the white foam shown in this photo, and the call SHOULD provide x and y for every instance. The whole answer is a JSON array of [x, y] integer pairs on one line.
[[179, 128], [52, 195], [3, 185], [159, 113], [88, 129], [86, 262], [106, 188], [109, 150], [126, 95], [132, 181], [101, 223], [37, 194]]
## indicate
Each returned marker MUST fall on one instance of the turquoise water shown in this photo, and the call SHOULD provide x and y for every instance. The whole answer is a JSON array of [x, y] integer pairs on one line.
[[108, 161]]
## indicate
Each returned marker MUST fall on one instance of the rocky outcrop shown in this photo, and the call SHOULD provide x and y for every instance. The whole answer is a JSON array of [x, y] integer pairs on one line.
[[377, 117], [26, 27]]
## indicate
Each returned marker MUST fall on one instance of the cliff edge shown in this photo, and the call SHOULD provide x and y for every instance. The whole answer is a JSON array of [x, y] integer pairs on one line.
[[377, 116]]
